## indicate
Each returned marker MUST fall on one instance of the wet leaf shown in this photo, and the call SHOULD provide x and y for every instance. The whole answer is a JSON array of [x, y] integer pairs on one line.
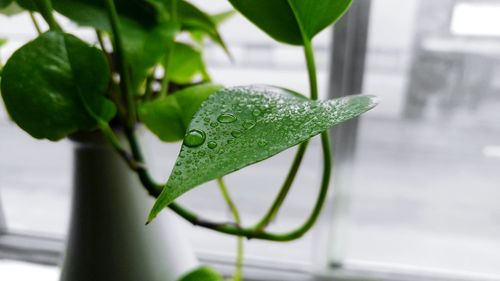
[[54, 86], [168, 117], [203, 273], [286, 20], [240, 126]]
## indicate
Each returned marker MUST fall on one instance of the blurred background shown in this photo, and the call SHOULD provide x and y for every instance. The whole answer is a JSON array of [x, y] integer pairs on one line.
[[417, 180]]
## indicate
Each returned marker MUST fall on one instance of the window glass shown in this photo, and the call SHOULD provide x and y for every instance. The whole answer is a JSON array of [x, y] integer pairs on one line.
[[424, 184]]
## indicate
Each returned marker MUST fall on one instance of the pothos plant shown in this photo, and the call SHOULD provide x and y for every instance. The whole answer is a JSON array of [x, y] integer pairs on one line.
[[57, 85]]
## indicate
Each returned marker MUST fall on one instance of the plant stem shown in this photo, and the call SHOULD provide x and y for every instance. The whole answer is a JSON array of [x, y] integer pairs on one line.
[[35, 23], [45, 9], [125, 82], [238, 274], [165, 82], [273, 211], [113, 93]]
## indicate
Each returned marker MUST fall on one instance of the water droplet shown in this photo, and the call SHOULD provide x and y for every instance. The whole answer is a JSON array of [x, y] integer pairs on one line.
[[226, 118], [194, 138], [248, 124], [178, 163], [212, 144], [178, 173], [214, 124], [206, 119], [236, 134], [256, 112]]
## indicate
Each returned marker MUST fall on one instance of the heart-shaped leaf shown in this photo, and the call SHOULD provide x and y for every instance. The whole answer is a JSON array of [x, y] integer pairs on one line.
[[54, 86], [203, 273], [240, 126], [168, 117], [292, 21]]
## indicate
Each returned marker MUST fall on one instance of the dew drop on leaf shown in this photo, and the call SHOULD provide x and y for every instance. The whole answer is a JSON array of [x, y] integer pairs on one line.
[[194, 138], [256, 112], [236, 134], [212, 144], [226, 118]]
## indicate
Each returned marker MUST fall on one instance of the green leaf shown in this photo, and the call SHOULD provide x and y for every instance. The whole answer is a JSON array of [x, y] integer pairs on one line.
[[193, 19], [185, 64], [11, 10], [2, 41], [222, 17], [54, 86], [203, 273], [5, 3], [146, 48], [240, 126], [145, 38], [292, 21], [168, 117], [93, 12]]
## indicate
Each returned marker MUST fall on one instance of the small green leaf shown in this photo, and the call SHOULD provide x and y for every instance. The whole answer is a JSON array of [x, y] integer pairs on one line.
[[292, 21], [185, 64], [240, 126], [168, 117], [2, 41], [54, 86], [12, 10], [222, 17], [193, 19], [203, 273]]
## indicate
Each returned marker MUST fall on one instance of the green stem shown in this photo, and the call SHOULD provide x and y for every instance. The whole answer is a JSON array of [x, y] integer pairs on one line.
[[45, 9], [125, 83], [113, 93], [238, 274], [285, 189], [35, 23], [165, 82], [113, 139]]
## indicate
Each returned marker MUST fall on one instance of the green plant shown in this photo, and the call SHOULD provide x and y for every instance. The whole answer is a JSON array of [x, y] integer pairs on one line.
[[57, 85]]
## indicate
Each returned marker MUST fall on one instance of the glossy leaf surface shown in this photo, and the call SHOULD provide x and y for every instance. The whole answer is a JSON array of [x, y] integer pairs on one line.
[[203, 273], [286, 20], [168, 117], [240, 126], [54, 86]]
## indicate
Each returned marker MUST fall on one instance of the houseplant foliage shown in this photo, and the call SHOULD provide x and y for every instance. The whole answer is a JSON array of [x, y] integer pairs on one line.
[[57, 85]]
